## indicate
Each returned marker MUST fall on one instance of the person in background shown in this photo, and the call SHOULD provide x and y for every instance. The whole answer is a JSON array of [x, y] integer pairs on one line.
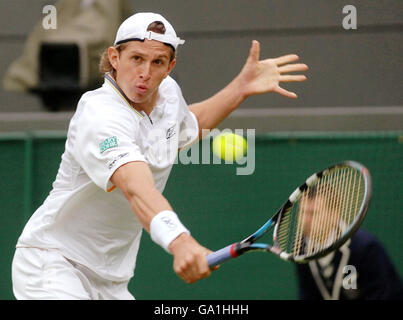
[[359, 270]]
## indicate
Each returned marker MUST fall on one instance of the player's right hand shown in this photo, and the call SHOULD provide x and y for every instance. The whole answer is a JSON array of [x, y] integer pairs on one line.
[[190, 262]]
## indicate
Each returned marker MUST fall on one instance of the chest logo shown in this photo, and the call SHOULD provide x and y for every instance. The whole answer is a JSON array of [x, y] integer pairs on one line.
[[170, 132]]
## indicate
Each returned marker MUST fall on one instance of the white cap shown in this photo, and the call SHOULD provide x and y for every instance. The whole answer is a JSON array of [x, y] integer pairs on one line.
[[135, 28]]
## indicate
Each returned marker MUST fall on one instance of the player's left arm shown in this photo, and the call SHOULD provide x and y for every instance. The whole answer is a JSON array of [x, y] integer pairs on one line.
[[256, 77]]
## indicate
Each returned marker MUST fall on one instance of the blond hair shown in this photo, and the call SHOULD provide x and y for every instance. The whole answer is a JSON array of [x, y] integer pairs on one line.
[[105, 65]]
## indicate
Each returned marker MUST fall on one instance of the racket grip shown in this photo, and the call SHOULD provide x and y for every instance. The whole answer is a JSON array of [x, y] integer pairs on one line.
[[222, 255]]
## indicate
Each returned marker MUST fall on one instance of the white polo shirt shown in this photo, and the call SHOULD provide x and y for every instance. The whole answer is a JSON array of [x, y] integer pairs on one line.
[[85, 217]]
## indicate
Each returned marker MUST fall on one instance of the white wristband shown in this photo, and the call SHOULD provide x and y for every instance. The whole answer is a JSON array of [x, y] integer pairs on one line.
[[165, 227]]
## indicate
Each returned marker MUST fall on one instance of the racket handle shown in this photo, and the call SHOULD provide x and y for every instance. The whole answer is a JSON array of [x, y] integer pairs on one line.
[[222, 255]]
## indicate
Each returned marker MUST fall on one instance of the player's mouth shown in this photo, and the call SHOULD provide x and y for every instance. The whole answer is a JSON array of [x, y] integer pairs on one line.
[[141, 89]]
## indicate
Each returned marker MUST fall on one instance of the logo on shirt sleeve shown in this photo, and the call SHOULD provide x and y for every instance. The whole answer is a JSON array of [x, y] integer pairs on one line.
[[108, 143]]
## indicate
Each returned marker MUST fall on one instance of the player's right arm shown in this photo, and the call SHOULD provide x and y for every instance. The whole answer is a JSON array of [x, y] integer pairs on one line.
[[106, 149], [136, 182]]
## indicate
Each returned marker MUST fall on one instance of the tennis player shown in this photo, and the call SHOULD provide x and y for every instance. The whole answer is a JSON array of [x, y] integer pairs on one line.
[[82, 242]]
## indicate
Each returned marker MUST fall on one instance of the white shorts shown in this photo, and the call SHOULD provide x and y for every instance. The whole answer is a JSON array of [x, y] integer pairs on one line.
[[39, 274]]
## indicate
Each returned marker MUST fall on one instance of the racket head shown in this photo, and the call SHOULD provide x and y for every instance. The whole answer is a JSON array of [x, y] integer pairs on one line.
[[323, 213]]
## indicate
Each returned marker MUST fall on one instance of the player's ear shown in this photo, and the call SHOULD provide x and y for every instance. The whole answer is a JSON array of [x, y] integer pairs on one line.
[[113, 55], [171, 66]]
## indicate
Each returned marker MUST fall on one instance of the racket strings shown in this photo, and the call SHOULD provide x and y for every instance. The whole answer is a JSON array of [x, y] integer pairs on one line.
[[322, 214], [284, 230], [320, 220], [298, 240], [319, 223]]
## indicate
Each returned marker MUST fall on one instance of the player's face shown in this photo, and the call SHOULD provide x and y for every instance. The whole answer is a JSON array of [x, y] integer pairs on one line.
[[140, 68]]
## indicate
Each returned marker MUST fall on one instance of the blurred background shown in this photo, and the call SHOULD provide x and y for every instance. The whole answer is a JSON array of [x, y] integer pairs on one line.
[[351, 107]]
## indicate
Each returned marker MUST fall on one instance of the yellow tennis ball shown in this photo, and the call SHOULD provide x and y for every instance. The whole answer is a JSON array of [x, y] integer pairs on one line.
[[229, 146]]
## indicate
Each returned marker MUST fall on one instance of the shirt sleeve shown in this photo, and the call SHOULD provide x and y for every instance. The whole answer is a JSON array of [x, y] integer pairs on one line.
[[105, 140]]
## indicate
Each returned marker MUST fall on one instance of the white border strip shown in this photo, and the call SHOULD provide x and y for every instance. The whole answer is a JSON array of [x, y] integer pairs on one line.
[[241, 112], [320, 111], [35, 116]]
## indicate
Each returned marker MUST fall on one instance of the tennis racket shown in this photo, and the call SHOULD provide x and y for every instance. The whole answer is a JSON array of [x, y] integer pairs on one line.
[[318, 217]]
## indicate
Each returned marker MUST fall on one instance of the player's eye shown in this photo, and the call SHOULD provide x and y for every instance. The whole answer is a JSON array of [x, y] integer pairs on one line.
[[158, 61], [136, 58]]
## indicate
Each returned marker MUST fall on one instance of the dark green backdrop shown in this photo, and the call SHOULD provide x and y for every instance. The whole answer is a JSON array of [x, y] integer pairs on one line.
[[218, 206]]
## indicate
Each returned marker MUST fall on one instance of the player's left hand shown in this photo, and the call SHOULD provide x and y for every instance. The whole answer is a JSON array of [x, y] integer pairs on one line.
[[262, 76]]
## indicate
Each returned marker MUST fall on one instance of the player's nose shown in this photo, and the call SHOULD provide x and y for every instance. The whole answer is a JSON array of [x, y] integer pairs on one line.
[[145, 72]]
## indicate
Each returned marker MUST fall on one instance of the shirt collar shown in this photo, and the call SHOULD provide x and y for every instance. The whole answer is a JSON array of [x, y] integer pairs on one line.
[[109, 79]]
